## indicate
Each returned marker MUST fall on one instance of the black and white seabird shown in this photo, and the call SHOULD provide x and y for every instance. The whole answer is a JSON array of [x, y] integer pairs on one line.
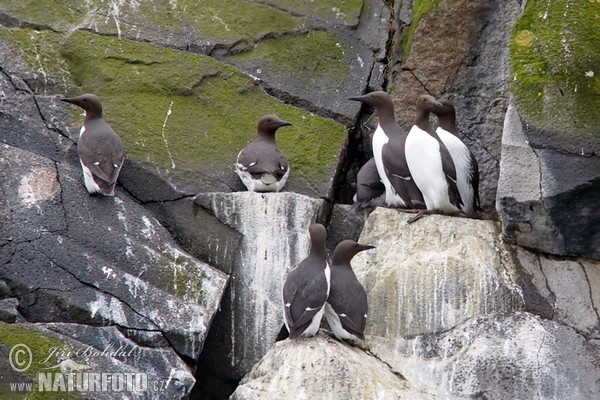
[[467, 169], [307, 287], [430, 162], [346, 308], [99, 147], [261, 165], [388, 151], [368, 184]]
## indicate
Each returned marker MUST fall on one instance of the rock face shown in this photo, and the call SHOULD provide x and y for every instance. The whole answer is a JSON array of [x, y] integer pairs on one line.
[[72, 259], [550, 135], [498, 357], [274, 239], [546, 198], [432, 275], [63, 348], [446, 299], [459, 308]]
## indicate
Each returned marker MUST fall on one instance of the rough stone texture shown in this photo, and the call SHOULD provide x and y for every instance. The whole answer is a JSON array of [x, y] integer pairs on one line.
[[322, 368], [516, 356], [434, 274], [547, 199], [551, 135], [120, 272], [69, 257], [274, 229], [571, 289], [60, 348]]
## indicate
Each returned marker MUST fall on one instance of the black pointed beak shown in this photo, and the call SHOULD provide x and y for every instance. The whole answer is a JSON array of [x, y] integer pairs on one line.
[[284, 123], [66, 100], [364, 247], [438, 104], [356, 99]]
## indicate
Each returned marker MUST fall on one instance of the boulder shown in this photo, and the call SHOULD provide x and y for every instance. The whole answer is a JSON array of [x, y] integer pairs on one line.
[[516, 356], [274, 239], [63, 348], [323, 368], [433, 274]]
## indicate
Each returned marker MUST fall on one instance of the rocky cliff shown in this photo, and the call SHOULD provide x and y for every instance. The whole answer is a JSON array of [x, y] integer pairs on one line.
[[178, 278]]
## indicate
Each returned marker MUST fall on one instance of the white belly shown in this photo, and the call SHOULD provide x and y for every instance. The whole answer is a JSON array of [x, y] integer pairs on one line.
[[425, 164], [464, 170], [88, 178], [379, 140], [266, 184]]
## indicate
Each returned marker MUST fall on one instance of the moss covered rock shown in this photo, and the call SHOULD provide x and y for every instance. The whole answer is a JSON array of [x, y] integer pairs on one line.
[[555, 52], [184, 114]]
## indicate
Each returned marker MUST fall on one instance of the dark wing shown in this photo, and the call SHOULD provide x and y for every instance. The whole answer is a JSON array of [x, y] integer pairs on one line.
[[303, 298], [475, 181], [260, 157], [349, 302], [397, 171], [450, 174], [102, 153]]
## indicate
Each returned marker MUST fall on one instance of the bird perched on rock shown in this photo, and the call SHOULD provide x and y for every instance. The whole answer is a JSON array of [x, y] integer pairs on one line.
[[368, 184], [430, 163], [306, 288], [467, 169], [388, 151], [346, 308], [261, 165], [99, 147]]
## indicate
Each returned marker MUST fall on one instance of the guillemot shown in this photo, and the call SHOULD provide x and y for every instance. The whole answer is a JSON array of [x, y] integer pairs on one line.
[[388, 144], [346, 308], [100, 149], [307, 287], [261, 165], [467, 169], [430, 163]]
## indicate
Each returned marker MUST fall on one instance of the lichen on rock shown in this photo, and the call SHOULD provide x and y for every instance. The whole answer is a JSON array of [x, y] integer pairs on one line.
[[555, 52]]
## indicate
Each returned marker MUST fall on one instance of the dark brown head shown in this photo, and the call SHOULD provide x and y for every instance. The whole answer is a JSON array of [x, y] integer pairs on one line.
[[380, 100], [428, 103], [318, 239], [425, 105], [446, 115], [346, 250], [89, 102], [268, 125]]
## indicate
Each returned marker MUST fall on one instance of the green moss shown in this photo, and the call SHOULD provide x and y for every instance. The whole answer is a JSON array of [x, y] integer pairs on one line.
[[555, 54], [315, 54], [58, 15], [38, 50], [347, 11], [420, 8], [41, 346], [139, 83]]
